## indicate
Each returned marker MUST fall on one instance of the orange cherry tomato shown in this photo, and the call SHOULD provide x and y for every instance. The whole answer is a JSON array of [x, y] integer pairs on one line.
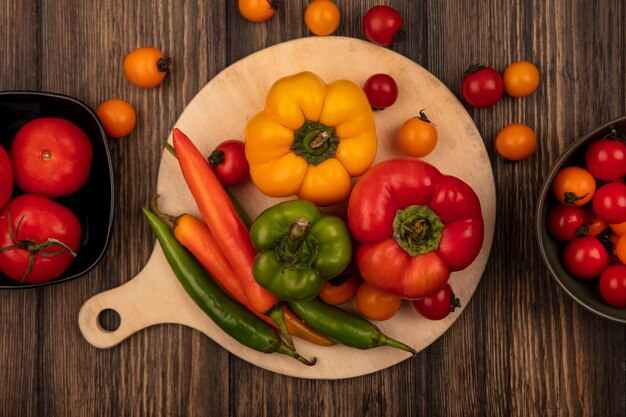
[[418, 136], [258, 10], [146, 67], [322, 17], [340, 289], [520, 78], [118, 117], [595, 225], [619, 229], [574, 186], [620, 249], [375, 304], [516, 142]]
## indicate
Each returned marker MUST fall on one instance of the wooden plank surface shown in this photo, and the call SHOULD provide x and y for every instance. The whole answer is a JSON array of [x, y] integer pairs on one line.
[[521, 347]]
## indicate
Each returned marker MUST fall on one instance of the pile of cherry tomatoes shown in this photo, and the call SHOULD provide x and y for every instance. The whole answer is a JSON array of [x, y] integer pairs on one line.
[[590, 217], [49, 158]]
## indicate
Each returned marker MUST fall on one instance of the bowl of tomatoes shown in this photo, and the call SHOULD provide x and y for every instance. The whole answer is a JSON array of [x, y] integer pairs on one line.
[[56, 189], [581, 220]]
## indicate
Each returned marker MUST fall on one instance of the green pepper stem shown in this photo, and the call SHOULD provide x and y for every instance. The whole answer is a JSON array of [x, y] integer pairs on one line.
[[298, 231], [278, 316]]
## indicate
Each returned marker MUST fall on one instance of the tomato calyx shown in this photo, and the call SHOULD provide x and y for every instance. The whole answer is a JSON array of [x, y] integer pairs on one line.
[[422, 116], [339, 280], [571, 198], [216, 158], [615, 135], [454, 302], [398, 36], [315, 142], [164, 64], [417, 229], [274, 4], [473, 68], [33, 247]]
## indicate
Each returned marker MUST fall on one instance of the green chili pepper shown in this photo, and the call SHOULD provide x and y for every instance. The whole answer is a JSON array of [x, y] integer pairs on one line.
[[299, 248], [230, 316], [344, 327]]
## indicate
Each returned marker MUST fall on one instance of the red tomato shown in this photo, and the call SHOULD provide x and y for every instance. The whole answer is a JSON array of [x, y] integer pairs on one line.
[[382, 25], [609, 202], [482, 86], [438, 305], [340, 289], [229, 162], [585, 257], [566, 222], [606, 159], [381, 91], [51, 156], [34, 221], [612, 285], [6, 174]]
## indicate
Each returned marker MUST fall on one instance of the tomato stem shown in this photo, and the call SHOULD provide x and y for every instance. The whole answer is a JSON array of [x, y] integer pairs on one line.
[[274, 4], [473, 68], [571, 198], [422, 116], [454, 302], [216, 158], [163, 64]]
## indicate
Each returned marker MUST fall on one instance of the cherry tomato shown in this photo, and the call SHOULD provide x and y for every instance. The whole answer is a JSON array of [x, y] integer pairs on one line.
[[34, 221], [439, 305], [606, 159], [381, 91], [418, 136], [375, 304], [619, 229], [520, 78], [585, 257], [612, 285], [574, 186], [258, 10], [595, 225], [566, 222], [482, 86], [6, 174], [229, 162], [51, 156], [322, 17], [609, 202], [118, 117], [340, 289], [620, 249], [382, 25], [146, 67], [516, 142]]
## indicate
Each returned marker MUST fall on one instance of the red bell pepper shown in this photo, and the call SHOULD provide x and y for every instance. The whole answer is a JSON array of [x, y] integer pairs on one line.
[[415, 226]]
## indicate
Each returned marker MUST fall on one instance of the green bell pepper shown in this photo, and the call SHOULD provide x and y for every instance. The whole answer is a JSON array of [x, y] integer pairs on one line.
[[299, 247]]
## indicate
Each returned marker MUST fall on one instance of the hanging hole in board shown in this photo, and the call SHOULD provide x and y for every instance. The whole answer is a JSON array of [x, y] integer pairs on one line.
[[109, 320]]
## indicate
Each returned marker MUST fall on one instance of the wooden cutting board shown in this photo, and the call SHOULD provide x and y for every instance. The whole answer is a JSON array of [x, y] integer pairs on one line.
[[219, 112]]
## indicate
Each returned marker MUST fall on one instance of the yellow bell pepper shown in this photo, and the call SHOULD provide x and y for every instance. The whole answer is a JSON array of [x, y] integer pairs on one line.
[[311, 139]]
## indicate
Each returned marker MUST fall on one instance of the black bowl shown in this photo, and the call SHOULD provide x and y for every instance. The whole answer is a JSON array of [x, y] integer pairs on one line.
[[585, 292], [93, 203]]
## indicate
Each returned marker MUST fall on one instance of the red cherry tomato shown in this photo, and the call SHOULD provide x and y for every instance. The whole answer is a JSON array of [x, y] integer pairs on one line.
[[566, 222], [381, 91], [482, 86], [606, 159], [612, 285], [439, 305], [229, 162], [6, 176], [51, 156], [34, 221], [585, 257], [382, 25], [609, 202]]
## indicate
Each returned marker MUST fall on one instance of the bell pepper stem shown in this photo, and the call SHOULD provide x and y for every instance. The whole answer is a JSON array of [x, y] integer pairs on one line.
[[298, 231]]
